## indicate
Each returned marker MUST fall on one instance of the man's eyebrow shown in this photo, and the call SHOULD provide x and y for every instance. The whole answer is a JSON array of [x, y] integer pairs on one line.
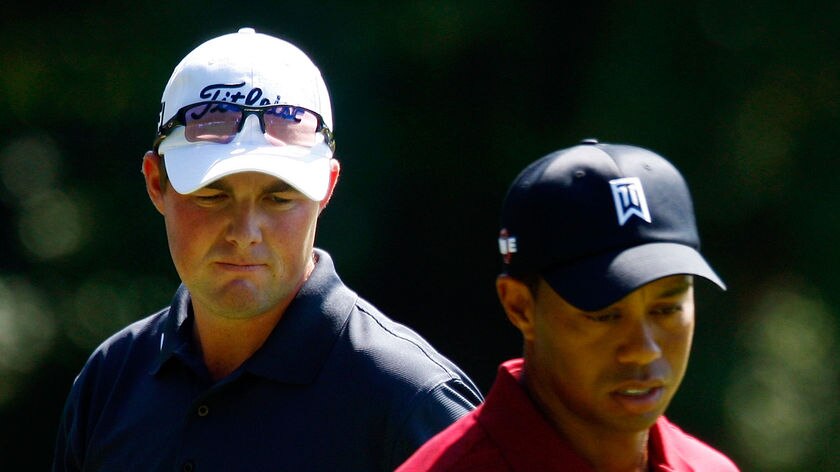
[[677, 288], [217, 185], [279, 186], [274, 187]]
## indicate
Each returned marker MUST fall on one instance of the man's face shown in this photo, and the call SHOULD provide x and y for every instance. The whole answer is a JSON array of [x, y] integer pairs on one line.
[[614, 370], [242, 244]]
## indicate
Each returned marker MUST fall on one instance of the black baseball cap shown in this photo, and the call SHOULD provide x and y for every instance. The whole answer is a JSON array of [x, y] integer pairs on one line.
[[598, 221]]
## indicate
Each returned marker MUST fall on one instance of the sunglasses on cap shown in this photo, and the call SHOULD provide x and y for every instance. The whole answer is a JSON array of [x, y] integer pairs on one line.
[[219, 122]]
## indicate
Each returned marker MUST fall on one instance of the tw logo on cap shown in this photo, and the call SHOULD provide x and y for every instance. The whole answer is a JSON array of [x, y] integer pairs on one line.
[[629, 198]]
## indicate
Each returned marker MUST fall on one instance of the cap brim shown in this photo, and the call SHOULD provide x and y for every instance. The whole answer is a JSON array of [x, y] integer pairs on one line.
[[597, 282], [190, 167]]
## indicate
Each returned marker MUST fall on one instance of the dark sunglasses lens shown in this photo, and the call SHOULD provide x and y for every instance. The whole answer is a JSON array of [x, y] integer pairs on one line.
[[286, 125], [214, 122]]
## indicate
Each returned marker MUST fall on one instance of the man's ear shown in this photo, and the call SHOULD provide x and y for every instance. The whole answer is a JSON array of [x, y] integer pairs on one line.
[[335, 169], [519, 304], [154, 185]]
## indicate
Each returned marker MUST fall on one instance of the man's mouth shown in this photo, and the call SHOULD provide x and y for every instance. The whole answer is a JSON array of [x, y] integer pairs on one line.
[[639, 399], [635, 392]]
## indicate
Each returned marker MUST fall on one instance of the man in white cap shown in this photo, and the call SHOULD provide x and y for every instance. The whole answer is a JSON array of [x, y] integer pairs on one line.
[[265, 360]]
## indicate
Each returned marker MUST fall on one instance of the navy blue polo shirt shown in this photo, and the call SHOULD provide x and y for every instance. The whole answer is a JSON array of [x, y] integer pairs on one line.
[[336, 386]]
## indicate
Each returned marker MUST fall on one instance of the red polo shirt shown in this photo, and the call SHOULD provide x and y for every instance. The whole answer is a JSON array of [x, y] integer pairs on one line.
[[508, 433]]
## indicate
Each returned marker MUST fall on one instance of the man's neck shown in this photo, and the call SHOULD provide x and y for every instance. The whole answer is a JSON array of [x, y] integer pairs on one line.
[[225, 343], [612, 452], [606, 449]]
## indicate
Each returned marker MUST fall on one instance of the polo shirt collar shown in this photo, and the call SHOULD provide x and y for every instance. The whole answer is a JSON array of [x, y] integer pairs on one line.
[[511, 419], [176, 329], [302, 341], [664, 452], [298, 346]]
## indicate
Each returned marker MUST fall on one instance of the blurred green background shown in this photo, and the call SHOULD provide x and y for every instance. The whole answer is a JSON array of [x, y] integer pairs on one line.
[[437, 106]]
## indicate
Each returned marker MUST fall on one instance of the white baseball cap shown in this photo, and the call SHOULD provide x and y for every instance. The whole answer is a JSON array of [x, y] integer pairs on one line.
[[252, 69]]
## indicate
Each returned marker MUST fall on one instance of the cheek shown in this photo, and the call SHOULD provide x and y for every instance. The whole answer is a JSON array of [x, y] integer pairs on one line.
[[292, 233], [685, 339], [301, 224], [564, 344], [678, 339], [187, 231], [563, 333]]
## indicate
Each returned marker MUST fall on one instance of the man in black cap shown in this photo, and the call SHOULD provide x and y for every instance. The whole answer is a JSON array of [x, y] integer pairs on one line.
[[600, 250]]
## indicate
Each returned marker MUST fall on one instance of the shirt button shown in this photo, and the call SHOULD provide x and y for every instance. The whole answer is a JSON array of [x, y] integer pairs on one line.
[[203, 410], [188, 466]]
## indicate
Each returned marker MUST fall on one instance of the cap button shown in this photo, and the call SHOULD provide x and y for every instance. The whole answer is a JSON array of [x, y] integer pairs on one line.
[[589, 141], [247, 30]]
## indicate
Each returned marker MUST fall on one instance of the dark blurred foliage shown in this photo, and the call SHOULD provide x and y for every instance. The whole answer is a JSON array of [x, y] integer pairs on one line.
[[437, 107]]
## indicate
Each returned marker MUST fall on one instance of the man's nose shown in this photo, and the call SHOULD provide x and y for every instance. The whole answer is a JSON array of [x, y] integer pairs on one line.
[[245, 226], [640, 345]]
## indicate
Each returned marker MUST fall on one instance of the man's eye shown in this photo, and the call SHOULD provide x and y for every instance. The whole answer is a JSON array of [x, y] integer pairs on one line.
[[603, 317], [667, 310], [210, 197], [280, 199]]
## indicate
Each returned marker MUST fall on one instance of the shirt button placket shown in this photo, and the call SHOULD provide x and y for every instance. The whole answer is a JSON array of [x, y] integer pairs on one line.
[[202, 411]]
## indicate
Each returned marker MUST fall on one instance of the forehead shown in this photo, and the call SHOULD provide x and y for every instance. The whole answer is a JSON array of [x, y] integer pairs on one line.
[[670, 285], [665, 287], [259, 180]]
